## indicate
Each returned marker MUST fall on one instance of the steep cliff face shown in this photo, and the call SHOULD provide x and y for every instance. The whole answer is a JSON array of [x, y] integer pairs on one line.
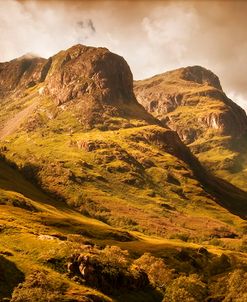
[[96, 81], [191, 101], [92, 82], [97, 72], [200, 75]]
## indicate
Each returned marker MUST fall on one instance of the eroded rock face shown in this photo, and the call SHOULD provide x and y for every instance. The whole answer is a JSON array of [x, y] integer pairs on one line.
[[82, 70], [191, 101], [98, 82], [93, 83]]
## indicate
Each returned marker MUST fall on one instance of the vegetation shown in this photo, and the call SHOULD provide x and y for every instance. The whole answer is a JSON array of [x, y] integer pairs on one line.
[[113, 208]]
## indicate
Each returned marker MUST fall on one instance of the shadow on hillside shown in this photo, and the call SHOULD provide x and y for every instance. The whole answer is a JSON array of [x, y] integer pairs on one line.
[[10, 277], [25, 181]]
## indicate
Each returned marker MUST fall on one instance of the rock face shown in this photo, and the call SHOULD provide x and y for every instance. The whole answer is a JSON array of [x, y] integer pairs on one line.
[[99, 83], [106, 277], [200, 75], [191, 101], [97, 72], [94, 82]]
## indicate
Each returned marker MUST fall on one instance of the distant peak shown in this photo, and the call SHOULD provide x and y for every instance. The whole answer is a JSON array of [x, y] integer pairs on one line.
[[82, 47], [29, 56]]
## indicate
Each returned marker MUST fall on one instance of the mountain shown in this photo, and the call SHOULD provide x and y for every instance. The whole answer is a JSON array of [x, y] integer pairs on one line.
[[191, 102], [86, 170], [93, 84]]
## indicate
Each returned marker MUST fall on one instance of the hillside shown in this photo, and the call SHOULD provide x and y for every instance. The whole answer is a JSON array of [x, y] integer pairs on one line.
[[191, 101], [84, 164]]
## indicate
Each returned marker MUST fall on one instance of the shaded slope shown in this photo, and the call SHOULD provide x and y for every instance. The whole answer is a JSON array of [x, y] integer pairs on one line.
[[34, 228], [37, 242]]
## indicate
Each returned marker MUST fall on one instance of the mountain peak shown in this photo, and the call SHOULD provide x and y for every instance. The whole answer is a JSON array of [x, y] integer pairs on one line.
[[190, 100], [92, 83], [20, 73], [200, 75], [83, 70], [97, 82], [29, 55]]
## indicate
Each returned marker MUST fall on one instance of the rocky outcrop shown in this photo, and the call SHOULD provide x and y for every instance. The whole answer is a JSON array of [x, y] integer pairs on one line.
[[200, 75], [83, 70], [191, 101], [96, 81], [93, 82], [106, 277]]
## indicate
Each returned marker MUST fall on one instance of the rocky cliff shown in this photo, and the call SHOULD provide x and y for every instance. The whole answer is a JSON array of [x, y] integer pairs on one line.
[[191, 101], [93, 82]]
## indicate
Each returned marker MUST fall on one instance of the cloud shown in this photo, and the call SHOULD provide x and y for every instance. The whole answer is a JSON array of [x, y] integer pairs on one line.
[[153, 36], [171, 28], [42, 29]]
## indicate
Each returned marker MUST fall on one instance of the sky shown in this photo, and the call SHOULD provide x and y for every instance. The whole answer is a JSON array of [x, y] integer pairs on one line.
[[153, 36]]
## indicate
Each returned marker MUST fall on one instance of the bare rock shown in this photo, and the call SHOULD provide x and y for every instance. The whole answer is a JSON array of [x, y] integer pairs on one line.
[[191, 101]]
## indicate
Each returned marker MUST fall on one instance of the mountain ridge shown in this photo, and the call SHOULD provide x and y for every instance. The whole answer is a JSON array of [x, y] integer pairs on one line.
[[187, 87], [103, 94], [65, 85], [96, 172]]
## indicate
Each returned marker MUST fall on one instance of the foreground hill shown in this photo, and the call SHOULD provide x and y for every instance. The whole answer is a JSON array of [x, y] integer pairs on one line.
[[40, 235], [90, 163], [191, 101]]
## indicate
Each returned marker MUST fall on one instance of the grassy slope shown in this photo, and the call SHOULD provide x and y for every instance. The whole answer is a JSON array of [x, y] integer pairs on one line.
[[24, 245], [139, 176], [227, 162], [120, 176], [128, 183], [26, 215]]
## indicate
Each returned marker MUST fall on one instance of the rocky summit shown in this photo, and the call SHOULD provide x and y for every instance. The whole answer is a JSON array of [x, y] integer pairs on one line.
[[93, 82], [103, 198], [191, 101]]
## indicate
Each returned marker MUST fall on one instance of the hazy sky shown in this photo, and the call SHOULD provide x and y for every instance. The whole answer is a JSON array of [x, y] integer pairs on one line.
[[153, 36]]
